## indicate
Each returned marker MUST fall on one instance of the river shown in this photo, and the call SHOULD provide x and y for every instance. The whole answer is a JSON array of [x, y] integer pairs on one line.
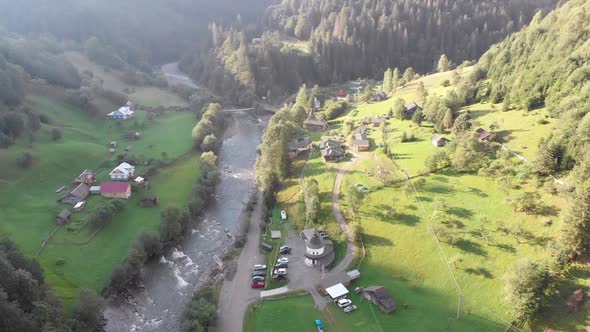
[[169, 282]]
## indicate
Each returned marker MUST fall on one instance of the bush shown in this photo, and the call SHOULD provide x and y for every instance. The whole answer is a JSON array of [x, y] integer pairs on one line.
[[201, 313], [407, 137], [25, 160], [446, 83], [56, 134]]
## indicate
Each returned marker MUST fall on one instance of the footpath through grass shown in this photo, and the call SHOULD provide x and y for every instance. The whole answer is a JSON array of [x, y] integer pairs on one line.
[[28, 202]]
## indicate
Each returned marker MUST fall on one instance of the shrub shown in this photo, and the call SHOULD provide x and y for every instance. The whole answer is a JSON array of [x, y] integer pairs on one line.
[[56, 134], [446, 83], [25, 160]]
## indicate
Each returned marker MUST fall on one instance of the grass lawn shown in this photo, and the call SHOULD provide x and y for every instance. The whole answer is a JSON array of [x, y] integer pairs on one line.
[[28, 202], [296, 314], [142, 95]]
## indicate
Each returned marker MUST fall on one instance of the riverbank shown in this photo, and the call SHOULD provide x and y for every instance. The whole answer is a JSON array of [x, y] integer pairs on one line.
[[170, 281]]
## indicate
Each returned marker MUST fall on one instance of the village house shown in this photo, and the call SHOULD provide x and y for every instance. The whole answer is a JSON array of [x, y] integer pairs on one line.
[[299, 146], [76, 195], [95, 190], [319, 250], [379, 296], [315, 124], [379, 97], [483, 135], [120, 190], [341, 94], [122, 172], [63, 217], [123, 113], [360, 142], [331, 150], [86, 177], [439, 141], [411, 108], [148, 201]]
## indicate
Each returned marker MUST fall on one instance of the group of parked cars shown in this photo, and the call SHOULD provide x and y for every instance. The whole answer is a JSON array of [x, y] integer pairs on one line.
[[346, 305], [279, 272]]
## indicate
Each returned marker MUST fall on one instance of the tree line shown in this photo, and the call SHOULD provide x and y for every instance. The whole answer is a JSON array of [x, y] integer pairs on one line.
[[344, 40]]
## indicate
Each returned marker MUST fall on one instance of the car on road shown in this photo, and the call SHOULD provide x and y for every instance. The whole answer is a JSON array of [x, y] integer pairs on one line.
[[281, 271], [344, 303], [349, 309], [283, 215], [259, 267], [280, 265], [257, 278], [257, 284], [283, 260], [284, 250], [258, 273]]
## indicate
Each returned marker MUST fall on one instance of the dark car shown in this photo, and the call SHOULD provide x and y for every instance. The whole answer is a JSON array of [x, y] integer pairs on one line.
[[279, 277], [284, 250], [257, 278], [258, 273]]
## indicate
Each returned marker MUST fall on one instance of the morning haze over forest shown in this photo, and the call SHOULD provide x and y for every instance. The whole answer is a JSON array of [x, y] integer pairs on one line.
[[294, 165]]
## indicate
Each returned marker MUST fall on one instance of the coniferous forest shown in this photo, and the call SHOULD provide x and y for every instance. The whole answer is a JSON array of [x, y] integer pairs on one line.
[[303, 41]]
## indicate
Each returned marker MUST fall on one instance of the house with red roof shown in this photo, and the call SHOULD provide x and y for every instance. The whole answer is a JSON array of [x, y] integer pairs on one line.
[[120, 190]]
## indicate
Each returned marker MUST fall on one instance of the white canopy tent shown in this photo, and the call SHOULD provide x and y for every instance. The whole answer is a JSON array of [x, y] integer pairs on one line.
[[337, 291]]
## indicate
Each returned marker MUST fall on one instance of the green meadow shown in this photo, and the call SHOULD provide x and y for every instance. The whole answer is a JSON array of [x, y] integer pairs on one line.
[[28, 201], [402, 252]]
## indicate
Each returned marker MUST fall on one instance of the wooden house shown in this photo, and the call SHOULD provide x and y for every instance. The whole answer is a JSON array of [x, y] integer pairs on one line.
[[63, 217]]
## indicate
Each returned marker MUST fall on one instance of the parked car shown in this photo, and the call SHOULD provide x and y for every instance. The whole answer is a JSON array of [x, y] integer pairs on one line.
[[257, 278], [349, 309], [319, 325], [258, 273], [257, 284], [280, 271], [284, 215], [342, 303], [279, 277], [259, 267], [284, 250], [281, 265], [283, 260]]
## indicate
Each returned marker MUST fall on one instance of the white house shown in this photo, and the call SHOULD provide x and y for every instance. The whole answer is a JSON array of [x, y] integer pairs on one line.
[[123, 113], [122, 172]]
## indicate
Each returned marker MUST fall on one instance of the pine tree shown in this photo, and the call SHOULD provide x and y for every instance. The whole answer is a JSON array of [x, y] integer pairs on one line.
[[448, 119], [395, 79], [388, 81], [301, 100], [409, 75], [443, 64]]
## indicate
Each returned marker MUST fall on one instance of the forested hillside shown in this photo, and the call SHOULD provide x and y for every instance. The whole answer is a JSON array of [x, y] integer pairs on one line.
[[329, 41], [139, 32], [548, 65]]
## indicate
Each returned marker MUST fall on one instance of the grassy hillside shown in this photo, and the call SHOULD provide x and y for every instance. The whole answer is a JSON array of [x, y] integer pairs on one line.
[[143, 95], [401, 251], [28, 202]]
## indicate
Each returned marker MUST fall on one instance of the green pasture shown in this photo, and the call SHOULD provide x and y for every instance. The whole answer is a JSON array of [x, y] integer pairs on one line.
[[28, 202]]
